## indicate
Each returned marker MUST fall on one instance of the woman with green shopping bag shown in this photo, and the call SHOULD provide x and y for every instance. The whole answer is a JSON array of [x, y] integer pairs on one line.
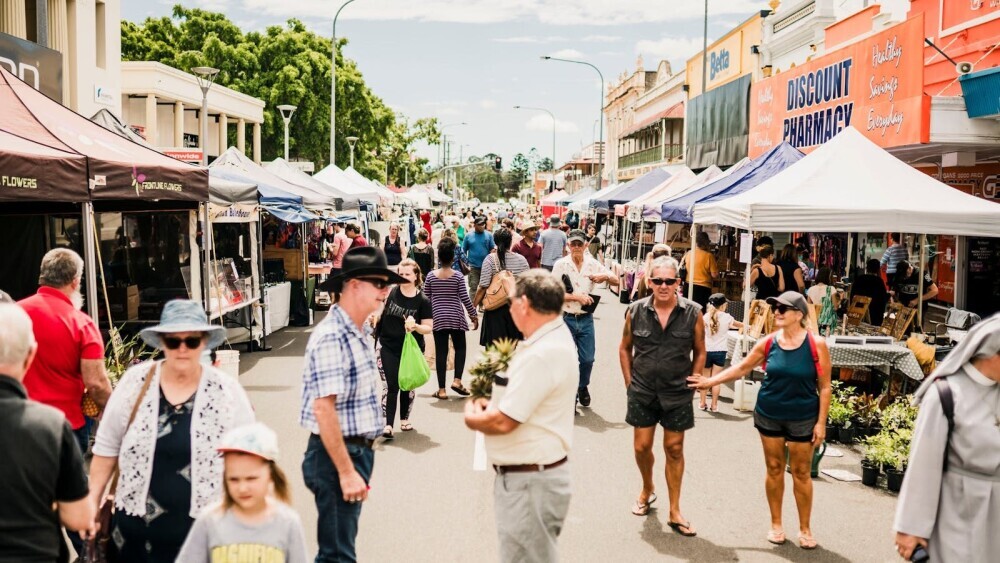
[[407, 313]]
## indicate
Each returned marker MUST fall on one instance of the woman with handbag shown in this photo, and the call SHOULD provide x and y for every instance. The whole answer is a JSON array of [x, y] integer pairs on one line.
[[495, 283], [406, 310], [159, 432], [449, 296]]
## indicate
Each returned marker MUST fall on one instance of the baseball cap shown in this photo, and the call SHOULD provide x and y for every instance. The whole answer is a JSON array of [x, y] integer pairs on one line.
[[480, 220], [576, 234], [717, 299], [792, 299], [254, 439]]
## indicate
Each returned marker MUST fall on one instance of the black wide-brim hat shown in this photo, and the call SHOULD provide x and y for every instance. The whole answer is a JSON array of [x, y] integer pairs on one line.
[[361, 262]]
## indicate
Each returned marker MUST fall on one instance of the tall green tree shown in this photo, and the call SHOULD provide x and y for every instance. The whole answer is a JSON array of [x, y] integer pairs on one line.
[[285, 65]]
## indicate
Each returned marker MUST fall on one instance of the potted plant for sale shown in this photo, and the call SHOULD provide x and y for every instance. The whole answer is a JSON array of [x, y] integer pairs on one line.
[[900, 454], [878, 452], [839, 418], [866, 413]]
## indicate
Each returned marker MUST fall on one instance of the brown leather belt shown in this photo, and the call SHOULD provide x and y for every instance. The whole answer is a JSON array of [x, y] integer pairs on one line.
[[359, 441], [528, 467]]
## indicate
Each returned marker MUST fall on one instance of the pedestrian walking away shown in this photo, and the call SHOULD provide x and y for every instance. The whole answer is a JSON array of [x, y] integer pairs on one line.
[[717, 326], [165, 452], [663, 343], [450, 302], [949, 504], [553, 242], [579, 273], [498, 323], [422, 252], [477, 246], [406, 311], [792, 407], [765, 276], [44, 481], [340, 401], [529, 430], [254, 521]]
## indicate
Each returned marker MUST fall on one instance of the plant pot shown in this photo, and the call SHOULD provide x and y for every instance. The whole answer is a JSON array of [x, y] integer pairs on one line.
[[832, 433], [869, 473], [847, 435], [894, 479]]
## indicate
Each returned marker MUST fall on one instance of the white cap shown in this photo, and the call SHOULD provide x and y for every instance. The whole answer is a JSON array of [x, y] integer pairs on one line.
[[255, 439]]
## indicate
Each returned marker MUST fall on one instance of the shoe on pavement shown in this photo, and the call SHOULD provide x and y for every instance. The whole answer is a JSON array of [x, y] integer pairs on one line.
[[583, 394]]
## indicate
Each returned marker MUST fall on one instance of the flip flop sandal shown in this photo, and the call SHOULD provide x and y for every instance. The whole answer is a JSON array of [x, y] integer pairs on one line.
[[642, 508], [461, 390], [405, 426], [387, 433], [441, 394], [679, 527], [777, 538], [703, 407], [807, 542]]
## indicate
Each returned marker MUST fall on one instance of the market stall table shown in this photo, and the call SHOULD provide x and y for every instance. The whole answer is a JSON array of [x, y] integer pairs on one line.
[[322, 269], [884, 357]]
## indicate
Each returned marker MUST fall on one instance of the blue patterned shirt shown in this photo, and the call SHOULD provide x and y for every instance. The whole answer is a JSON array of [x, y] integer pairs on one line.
[[340, 360], [893, 256]]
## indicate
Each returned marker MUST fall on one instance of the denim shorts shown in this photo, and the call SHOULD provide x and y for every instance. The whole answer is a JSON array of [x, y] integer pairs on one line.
[[790, 430], [715, 359]]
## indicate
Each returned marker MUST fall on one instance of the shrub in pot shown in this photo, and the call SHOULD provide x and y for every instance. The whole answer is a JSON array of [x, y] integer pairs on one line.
[[839, 416], [866, 414], [878, 451]]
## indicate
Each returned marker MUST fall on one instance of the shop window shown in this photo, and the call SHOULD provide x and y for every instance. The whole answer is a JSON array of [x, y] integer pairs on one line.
[[30, 21]]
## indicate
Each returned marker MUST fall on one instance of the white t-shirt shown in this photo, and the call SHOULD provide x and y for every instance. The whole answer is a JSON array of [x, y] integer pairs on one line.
[[542, 382], [817, 292], [717, 342], [580, 278]]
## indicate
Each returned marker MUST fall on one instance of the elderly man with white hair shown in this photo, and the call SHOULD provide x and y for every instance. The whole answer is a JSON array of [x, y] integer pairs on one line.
[[42, 472]]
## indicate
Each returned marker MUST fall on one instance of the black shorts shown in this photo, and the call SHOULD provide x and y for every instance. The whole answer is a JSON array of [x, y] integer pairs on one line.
[[790, 430], [644, 411]]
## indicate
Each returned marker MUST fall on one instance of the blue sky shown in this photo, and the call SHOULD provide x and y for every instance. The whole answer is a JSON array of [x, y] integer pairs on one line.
[[473, 60]]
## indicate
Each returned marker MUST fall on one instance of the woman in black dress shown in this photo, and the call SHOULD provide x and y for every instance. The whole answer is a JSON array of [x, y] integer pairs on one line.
[[422, 253], [498, 323], [394, 247]]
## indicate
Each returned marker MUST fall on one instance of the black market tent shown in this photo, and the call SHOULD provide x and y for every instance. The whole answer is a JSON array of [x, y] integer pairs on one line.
[[35, 172]]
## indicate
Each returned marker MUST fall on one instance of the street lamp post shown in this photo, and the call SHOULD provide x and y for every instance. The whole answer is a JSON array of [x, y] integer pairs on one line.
[[553, 133], [333, 87], [206, 77], [350, 141], [600, 140], [286, 116]]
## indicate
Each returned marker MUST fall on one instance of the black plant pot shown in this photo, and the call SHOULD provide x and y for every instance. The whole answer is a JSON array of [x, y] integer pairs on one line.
[[832, 433], [847, 435], [894, 479], [869, 473]]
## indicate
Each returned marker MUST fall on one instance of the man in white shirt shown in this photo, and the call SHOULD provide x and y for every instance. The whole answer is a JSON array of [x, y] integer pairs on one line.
[[582, 272], [528, 428]]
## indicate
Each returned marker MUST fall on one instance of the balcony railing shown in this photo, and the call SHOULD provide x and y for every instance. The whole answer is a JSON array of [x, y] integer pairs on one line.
[[652, 154]]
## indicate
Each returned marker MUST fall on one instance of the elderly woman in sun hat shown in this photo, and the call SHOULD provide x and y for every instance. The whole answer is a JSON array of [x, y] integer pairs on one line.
[[165, 451]]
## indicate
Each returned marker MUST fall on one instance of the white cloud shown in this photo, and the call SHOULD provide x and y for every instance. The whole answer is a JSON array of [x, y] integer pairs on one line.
[[674, 49], [601, 39], [567, 54], [530, 39], [543, 122], [553, 12], [487, 104]]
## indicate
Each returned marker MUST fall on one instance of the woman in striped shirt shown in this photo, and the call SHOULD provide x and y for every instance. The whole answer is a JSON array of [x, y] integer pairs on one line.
[[450, 302], [498, 323]]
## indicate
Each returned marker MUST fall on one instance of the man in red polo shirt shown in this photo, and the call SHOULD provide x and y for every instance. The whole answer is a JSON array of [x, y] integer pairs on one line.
[[70, 350]]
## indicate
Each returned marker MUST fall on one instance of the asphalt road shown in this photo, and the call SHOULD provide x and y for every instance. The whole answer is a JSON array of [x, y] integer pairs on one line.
[[427, 504]]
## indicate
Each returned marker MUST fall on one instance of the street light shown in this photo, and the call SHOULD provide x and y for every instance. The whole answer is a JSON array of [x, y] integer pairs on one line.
[[350, 141], [600, 140], [286, 116], [553, 133], [333, 87], [206, 77], [441, 156]]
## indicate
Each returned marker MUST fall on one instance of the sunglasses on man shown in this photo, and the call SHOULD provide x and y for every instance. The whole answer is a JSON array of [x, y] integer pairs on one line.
[[663, 281], [782, 309], [379, 283], [174, 342]]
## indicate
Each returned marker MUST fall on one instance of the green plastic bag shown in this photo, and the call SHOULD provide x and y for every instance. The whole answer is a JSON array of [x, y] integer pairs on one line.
[[413, 368]]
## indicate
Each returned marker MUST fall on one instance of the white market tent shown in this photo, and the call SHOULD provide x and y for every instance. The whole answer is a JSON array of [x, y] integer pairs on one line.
[[583, 205], [850, 184], [282, 169], [683, 176], [415, 198], [333, 176], [383, 192]]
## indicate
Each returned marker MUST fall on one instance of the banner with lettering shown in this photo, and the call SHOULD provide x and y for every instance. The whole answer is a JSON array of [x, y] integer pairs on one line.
[[875, 84], [958, 15]]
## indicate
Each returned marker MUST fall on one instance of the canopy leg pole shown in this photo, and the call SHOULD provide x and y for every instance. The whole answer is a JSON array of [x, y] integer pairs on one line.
[[850, 254], [693, 261], [746, 299], [920, 282], [206, 243], [642, 230], [90, 263]]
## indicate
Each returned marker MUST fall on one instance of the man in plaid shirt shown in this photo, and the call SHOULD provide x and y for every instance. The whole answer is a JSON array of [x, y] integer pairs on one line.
[[341, 402]]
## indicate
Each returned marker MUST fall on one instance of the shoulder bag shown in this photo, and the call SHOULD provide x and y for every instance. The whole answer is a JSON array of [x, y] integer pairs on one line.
[[96, 550], [501, 288]]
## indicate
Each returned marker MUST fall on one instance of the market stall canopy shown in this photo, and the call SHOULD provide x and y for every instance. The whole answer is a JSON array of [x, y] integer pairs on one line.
[[583, 204], [435, 195], [583, 194], [632, 189], [782, 156], [850, 184], [236, 161], [415, 198], [333, 176], [684, 176], [383, 192], [230, 192], [553, 198], [117, 167], [282, 169], [107, 120], [30, 171], [651, 209]]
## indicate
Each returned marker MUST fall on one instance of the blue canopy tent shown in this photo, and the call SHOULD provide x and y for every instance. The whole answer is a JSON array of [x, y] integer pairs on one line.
[[631, 190], [582, 194], [777, 159]]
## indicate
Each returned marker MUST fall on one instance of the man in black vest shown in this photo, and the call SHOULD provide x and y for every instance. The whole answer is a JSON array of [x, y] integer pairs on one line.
[[663, 343], [44, 484]]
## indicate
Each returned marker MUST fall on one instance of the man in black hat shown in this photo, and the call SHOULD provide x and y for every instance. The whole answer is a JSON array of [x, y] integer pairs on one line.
[[341, 404]]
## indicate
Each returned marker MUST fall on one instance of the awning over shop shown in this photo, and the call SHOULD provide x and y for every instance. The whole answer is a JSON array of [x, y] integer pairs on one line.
[[633, 188], [850, 184], [675, 111], [342, 200], [774, 161], [117, 167]]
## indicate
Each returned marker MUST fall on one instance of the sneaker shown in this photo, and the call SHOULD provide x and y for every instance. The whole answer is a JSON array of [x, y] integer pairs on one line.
[[583, 394]]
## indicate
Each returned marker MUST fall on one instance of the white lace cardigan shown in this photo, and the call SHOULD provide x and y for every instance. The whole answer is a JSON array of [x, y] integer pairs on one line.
[[219, 405]]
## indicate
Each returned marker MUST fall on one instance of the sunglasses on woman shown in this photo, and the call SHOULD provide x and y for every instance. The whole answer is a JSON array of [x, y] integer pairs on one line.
[[663, 281], [782, 309], [174, 342]]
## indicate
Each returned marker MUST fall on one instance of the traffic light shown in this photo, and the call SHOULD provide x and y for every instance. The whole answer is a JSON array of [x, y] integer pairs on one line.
[[497, 165]]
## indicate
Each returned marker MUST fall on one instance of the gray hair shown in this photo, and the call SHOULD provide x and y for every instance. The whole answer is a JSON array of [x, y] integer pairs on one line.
[[16, 335], [60, 267], [544, 292], [665, 262]]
